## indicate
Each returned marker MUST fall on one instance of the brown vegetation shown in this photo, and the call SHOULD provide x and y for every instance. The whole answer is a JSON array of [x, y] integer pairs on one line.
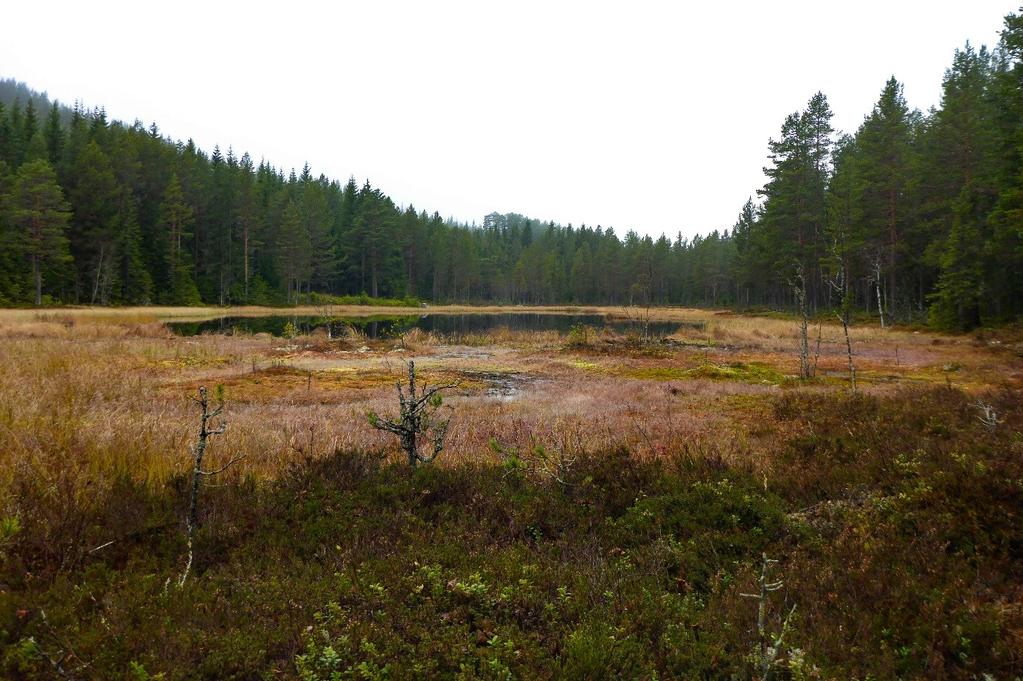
[[96, 421]]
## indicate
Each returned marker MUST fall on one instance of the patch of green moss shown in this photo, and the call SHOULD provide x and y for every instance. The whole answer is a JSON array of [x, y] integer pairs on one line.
[[655, 373], [752, 372]]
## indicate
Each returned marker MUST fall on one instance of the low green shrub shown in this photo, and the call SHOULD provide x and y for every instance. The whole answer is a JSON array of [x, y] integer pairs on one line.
[[900, 545]]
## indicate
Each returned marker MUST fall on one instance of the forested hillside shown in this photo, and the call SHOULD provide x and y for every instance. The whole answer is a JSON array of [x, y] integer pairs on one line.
[[916, 215]]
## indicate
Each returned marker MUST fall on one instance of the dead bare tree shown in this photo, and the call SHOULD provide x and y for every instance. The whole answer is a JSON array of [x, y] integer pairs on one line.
[[770, 646], [798, 284], [325, 311], [640, 300], [417, 420], [817, 348], [876, 278], [840, 284], [206, 415]]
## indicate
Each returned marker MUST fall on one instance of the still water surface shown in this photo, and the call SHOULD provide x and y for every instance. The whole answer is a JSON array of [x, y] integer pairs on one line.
[[448, 325]]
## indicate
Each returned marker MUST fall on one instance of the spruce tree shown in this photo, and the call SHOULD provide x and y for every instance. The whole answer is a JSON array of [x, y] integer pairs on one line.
[[961, 189], [883, 148], [54, 135], [176, 218], [93, 195], [294, 250]]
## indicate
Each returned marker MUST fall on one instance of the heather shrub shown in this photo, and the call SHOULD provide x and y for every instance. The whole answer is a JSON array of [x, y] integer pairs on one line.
[[895, 521]]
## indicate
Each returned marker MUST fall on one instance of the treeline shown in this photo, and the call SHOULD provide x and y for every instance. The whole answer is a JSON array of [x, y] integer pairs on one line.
[[915, 215]]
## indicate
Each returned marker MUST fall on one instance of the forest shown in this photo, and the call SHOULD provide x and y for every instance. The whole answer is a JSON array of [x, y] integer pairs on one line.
[[915, 217]]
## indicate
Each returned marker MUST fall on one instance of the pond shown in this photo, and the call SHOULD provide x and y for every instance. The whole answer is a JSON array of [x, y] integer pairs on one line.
[[451, 326]]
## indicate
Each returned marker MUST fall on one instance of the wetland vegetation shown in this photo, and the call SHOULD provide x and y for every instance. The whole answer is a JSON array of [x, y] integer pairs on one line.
[[600, 507]]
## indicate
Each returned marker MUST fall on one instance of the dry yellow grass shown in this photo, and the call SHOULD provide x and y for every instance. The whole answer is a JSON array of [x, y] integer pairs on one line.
[[90, 394]]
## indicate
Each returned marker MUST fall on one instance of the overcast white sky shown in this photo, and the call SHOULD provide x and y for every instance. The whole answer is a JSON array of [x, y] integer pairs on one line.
[[645, 115]]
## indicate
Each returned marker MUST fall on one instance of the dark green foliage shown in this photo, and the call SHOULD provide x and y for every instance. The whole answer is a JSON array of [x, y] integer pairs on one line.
[[39, 216], [175, 218]]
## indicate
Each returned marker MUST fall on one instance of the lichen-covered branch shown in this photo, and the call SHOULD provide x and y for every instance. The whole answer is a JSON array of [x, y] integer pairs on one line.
[[418, 427], [206, 417]]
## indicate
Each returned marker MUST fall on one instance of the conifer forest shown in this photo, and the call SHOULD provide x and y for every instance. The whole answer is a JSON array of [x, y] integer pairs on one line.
[[918, 211]]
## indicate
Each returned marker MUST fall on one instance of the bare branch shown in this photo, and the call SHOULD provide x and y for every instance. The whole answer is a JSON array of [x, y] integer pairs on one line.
[[233, 461], [988, 415], [427, 394]]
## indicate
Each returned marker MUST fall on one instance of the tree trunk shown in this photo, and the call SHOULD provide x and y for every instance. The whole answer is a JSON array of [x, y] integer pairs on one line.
[[245, 258], [38, 278], [99, 273], [877, 283], [893, 238]]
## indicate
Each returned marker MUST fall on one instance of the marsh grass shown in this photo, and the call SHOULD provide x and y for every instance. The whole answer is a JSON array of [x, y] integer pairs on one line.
[[692, 462], [111, 395]]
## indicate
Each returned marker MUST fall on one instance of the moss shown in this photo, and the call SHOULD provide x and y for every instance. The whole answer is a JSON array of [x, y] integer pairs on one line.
[[193, 361], [753, 372]]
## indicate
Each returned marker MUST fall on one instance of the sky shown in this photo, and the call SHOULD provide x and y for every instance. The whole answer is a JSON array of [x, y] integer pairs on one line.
[[653, 116]]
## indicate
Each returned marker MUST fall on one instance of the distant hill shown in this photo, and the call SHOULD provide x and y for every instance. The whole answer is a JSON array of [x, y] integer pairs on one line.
[[12, 91]]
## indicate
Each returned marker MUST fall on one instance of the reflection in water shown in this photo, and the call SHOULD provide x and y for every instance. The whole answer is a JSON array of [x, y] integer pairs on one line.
[[451, 326]]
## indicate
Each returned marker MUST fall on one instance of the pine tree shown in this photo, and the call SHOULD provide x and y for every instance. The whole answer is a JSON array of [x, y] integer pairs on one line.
[[960, 292], [790, 230], [747, 260], [40, 214], [581, 275], [1004, 248], [16, 144], [6, 138], [245, 219], [11, 260], [375, 223], [916, 208], [135, 284], [29, 127]]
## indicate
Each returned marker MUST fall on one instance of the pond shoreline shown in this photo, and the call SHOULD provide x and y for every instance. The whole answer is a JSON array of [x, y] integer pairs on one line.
[[159, 314], [381, 326]]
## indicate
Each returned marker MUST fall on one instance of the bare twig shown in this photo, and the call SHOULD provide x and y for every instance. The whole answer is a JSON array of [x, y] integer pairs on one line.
[[234, 460], [988, 415], [102, 546], [66, 653]]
